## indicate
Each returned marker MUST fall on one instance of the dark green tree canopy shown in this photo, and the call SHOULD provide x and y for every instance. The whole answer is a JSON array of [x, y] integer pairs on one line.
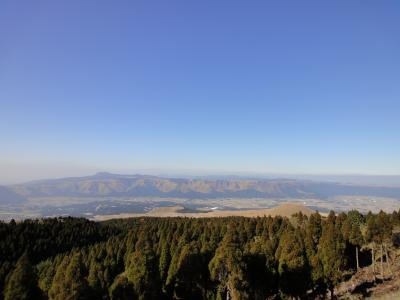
[[187, 258]]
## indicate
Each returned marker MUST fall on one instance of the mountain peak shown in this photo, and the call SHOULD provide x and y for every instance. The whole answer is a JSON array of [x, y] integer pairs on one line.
[[102, 174]]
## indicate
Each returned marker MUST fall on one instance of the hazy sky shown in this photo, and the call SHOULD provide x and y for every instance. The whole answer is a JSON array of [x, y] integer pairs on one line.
[[199, 86]]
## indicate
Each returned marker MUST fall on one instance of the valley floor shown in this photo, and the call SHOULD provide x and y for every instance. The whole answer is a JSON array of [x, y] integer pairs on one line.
[[285, 209]]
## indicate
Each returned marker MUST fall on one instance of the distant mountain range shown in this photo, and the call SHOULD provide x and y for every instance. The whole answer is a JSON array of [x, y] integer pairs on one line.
[[8, 196], [114, 185]]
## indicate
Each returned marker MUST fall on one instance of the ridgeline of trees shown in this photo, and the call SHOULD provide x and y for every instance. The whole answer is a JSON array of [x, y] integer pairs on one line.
[[181, 258]]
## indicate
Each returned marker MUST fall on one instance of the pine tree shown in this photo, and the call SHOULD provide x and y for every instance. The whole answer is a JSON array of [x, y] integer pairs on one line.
[[228, 267], [313, 234], [262, 273], [379, 232], [122, 289], [357, 240], [356, 219], [331, 252], [142, 270], [69, 282], [187, 276], [372, 237], [165, 259], [22, 283], [385, 236], [292, 264], [96, 279]]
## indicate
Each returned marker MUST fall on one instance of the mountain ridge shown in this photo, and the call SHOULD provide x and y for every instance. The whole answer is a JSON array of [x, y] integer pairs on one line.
[[8, 196], [106, 184]]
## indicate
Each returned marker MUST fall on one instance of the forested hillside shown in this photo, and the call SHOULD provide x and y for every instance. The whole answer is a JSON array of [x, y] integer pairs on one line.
[[182, 258]]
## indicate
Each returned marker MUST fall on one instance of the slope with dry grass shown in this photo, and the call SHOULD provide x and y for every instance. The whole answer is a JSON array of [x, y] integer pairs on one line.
[[371, 285], [285, 209]]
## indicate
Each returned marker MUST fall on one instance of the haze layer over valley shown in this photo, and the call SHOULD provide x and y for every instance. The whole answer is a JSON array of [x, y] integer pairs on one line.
[[112, 194]]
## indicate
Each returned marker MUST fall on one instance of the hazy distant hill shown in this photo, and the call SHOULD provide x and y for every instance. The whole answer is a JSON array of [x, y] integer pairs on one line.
[[106, 184], [8, 196]]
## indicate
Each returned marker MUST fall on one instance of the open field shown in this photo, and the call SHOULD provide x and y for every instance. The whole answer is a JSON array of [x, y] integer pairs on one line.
[[285, 209], [111, 207]]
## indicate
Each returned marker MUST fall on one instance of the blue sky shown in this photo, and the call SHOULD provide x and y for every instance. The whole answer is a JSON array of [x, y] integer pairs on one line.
[[199, 87]]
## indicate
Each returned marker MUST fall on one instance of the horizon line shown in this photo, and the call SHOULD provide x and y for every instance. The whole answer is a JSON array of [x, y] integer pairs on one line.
[[244, 175]]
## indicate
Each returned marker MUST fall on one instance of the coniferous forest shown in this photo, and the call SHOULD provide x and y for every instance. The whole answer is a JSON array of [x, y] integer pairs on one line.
[[303, 257]]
